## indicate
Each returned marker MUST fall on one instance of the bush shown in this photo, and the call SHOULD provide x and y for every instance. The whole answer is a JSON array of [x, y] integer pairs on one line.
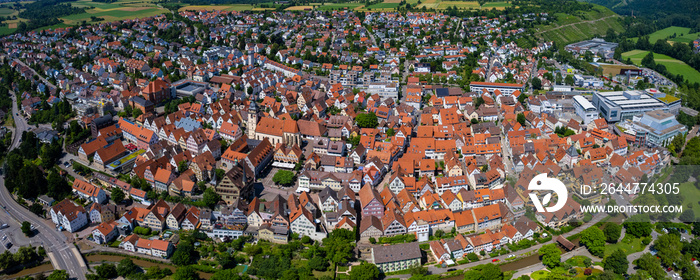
[[472, 257], [142, 230]]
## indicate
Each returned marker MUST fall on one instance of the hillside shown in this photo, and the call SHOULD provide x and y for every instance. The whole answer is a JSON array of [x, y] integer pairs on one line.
[[580, 25]]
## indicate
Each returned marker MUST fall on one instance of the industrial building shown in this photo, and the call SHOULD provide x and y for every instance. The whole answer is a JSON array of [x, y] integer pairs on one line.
[[657, 128], [595, 45], [615, 106], [585, 109]]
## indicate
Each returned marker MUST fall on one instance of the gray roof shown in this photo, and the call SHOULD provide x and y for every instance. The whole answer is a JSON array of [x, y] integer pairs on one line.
[[398, 252]]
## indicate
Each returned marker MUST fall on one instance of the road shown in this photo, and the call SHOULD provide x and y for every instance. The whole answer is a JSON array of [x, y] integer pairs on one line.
[[441, 270], [41, 77], [63, 255]]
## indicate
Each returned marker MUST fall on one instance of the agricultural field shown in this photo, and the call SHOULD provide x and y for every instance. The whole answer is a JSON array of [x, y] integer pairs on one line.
[[673, 65], [665, 33], [383, 6], [338, 6], [441, 5], [581, 26], [231, 7]]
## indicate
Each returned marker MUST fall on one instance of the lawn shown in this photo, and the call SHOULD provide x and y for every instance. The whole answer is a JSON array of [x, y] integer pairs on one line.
[[690, 195], [628, 245], [673, 65], [666, 33], [7, 12], [338, 6]]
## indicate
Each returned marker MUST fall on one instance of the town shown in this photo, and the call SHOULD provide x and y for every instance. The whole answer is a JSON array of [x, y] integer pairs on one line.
[[379, 144]]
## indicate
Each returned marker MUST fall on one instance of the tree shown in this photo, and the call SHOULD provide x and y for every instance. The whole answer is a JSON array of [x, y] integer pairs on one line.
[[339, 246], [283, 177], [550, 254], [617, 262], [58, 275], [126, 266], [484, 272], [211, 198], [521, 119], [117, 195], [536, 83], [368, 120], [106, 270], [136, 112], [182, 166], [669, 248], [365, 271], [186, 273], [638, 226], [651, 265], [226, 274], [26, 228], [648, 60], [594, 239], [184, 254], [569, 80], [612, 232]]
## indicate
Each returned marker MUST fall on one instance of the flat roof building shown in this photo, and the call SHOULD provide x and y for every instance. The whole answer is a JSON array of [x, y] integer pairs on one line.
[[505, 89], [658, 127], [615, 106], [585, 109]]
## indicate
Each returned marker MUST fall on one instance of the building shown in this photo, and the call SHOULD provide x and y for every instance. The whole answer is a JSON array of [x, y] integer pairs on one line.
[[396, 257], [595, 46], [89, 191], [615, 106], [658, 127], [505, 89], [585, 109], [69, 216], [235, 185]]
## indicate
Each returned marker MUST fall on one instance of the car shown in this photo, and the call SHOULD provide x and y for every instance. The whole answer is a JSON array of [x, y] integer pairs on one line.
[[451, 269], [495, 260], [669, 269], [511, 256]]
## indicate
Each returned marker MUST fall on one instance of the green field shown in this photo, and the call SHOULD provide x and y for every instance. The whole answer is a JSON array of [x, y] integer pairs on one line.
[[7, 12], [668, 32], [690, 195], [580, 26], [465, 5], [382, 6], [338, 6], [628, 245], [673, 65]]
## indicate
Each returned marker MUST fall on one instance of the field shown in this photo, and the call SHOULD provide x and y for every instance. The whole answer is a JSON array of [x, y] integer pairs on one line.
[[628, 245], [690, 195], [687, 37], [466, 5], [338, 6], [673, 65], [230, 7], [383, 6], [580, 26]]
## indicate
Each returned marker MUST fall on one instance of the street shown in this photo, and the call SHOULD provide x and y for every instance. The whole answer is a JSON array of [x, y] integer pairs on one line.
[[62, 254]]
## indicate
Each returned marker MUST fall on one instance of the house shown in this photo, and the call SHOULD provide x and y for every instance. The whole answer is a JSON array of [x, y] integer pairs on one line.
[[69, 216], [156, 248], [105, 232], [396, 257], [370, 202], [89, 191]]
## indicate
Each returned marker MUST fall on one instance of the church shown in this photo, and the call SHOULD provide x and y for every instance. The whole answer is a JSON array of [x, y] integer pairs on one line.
[[275, 130]]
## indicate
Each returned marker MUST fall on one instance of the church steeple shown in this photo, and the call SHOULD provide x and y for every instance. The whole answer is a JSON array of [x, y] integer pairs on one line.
[[252, 119]]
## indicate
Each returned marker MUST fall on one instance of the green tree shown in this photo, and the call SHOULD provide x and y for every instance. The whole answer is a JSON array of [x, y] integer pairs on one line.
[[58, 275], [536, 83], [368, 120], [569, 80], [184, 254], [136, 112], [226, 274], [521, 119], [638, 226], [594, 239], [186, 273], [669, 248], [484, 272], [612, 232], [106, 270], [550, 254], [617, 262], [117, 195], [182, 166], [126, 266], [283, 177], [26, 228], [211, 198], [365, 271]]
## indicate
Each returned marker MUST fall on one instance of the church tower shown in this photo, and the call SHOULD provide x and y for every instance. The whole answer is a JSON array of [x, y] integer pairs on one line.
[[252, 119]]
